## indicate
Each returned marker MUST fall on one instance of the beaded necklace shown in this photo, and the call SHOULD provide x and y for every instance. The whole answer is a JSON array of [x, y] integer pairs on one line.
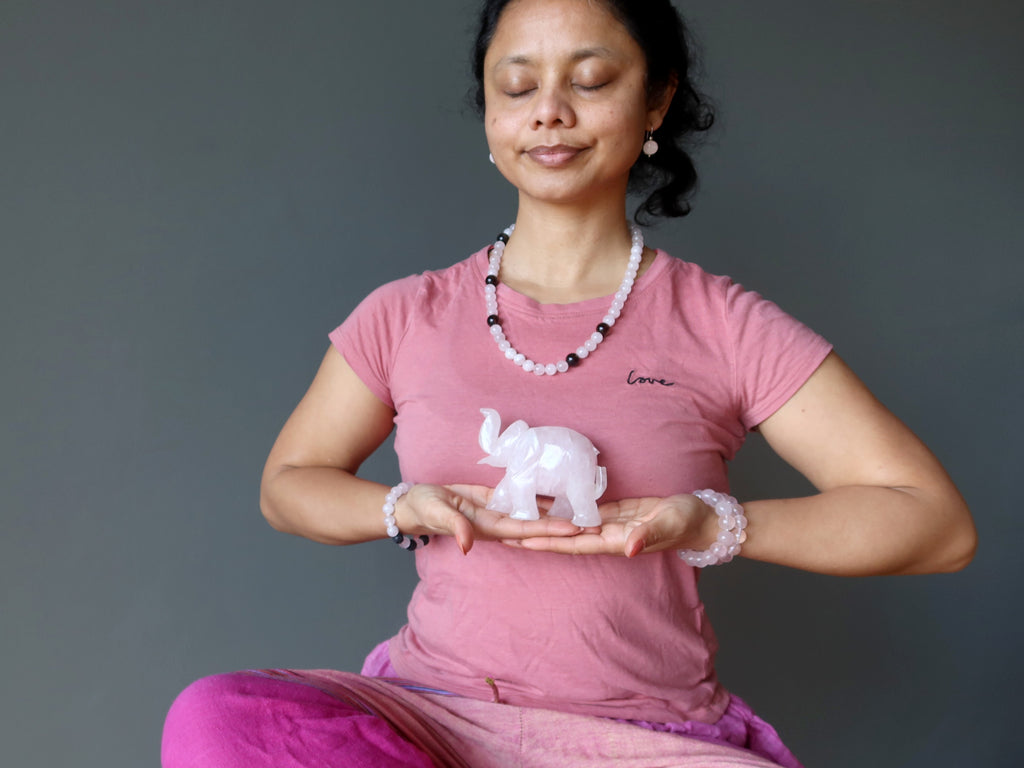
[[573, 358]]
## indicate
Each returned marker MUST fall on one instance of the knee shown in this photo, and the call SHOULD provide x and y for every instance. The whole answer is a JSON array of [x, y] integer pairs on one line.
[[200, 716]]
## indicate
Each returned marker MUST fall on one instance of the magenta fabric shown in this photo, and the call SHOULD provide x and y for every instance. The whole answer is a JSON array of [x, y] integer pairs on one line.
[[667, 399], [293, 719], [246, 720], [739, 726]]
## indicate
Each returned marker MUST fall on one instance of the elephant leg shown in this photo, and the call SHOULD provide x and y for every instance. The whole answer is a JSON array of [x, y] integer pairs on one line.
[[584, 508], [501, 500], [523, 493]]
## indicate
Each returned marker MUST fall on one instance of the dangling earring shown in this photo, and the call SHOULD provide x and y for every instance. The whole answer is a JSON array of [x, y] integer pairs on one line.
[[650, 145], [490, 157]]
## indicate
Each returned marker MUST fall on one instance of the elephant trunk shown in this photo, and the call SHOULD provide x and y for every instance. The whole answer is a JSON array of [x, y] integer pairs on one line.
[[489, 430]]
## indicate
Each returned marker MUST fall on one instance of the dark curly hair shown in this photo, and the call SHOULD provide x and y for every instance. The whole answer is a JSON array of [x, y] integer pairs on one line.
[[659, 30]]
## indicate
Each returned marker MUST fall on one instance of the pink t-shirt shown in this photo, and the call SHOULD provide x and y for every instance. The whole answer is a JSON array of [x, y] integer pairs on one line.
[[692, 364]]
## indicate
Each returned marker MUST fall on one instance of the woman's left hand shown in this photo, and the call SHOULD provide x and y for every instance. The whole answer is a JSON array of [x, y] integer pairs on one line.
[[634, 526]]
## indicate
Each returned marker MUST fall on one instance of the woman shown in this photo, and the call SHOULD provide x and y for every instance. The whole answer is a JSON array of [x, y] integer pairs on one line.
[[514, 653]]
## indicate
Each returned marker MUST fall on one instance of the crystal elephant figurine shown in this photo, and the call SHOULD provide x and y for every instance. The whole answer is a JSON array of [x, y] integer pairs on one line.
[[543, 461]]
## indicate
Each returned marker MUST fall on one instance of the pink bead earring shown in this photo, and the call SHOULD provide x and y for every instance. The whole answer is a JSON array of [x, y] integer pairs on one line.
[[650, 145]]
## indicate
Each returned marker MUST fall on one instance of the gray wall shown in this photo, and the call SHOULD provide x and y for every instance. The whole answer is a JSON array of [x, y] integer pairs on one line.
[[192, 194]]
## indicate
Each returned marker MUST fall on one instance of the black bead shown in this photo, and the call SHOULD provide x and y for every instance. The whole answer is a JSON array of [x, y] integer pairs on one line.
[[412, 544], [492, 320], [503, 237], [424, 540], [572, 359], [603, 328], [491, 280], [398, 539]]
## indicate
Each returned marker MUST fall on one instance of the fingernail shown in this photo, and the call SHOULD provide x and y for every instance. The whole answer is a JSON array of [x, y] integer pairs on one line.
[[636, 549]]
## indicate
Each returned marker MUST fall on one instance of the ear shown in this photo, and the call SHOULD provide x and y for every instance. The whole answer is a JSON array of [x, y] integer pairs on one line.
[[513, 433], [659, 104]]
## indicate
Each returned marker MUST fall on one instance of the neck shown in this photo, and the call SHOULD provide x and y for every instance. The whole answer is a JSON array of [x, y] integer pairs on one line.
[[560, 255]]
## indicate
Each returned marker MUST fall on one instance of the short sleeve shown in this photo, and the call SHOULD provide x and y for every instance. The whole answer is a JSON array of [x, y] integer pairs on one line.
[[774, 354], [370, 336]]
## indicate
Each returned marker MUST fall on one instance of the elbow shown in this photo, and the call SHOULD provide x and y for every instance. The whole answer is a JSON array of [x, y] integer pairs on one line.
[[268, 508], [966, 545], [960, 543]]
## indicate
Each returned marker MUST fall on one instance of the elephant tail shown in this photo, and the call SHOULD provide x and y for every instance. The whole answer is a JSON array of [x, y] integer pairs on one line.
[[600, 481]]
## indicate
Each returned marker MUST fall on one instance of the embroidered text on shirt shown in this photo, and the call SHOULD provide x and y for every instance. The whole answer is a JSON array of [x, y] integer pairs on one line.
[[631, 379]]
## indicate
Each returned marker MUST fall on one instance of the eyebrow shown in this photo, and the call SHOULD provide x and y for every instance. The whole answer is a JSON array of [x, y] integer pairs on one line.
[[598, 51]]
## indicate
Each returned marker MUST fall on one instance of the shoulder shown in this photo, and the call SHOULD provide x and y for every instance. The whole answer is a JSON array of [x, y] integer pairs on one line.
[[427, 287], [728, 298], [691, 289]]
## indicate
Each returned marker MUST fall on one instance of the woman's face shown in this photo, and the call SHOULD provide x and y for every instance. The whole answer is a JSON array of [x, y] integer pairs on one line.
[[566, 103]]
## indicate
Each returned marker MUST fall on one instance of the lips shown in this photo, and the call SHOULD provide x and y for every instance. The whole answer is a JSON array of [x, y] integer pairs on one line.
[[555, 155]]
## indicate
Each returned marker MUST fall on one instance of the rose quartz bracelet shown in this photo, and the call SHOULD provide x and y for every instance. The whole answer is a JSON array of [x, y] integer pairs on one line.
[[405, 542], [733, 532]]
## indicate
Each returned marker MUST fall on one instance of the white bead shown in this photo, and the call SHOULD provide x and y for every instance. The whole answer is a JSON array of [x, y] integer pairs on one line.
[[619, 301], [392, 531], [389, 506]]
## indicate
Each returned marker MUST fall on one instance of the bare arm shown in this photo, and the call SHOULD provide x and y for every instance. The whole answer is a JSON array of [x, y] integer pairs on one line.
[[885, 505], [310, 488]]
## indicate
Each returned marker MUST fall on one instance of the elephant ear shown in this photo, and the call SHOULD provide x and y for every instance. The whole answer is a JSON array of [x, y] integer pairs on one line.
[[512, 435]]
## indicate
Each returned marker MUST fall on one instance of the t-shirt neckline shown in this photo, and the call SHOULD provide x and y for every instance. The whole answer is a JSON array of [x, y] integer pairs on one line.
[[509, 298]]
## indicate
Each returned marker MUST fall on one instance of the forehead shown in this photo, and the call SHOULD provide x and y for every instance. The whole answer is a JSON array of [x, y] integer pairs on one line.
[[534, 29]]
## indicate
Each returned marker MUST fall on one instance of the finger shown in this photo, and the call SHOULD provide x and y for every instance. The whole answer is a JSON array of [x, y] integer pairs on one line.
[[582, 544], [509, 528]]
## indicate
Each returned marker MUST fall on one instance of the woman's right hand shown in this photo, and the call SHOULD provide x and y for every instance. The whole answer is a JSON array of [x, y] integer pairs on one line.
[[461, 511]]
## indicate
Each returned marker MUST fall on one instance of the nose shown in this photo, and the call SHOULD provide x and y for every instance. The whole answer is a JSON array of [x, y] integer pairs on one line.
[[552, 106]]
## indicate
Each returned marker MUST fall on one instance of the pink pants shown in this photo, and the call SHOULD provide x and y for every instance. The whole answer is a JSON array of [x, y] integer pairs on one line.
[[287, 719]]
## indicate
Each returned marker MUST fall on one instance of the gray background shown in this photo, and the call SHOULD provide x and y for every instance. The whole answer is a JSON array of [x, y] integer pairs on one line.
[[193, 193]]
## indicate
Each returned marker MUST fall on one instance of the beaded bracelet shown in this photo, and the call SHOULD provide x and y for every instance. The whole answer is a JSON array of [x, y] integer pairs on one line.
[[405, 542], [733, 523]]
